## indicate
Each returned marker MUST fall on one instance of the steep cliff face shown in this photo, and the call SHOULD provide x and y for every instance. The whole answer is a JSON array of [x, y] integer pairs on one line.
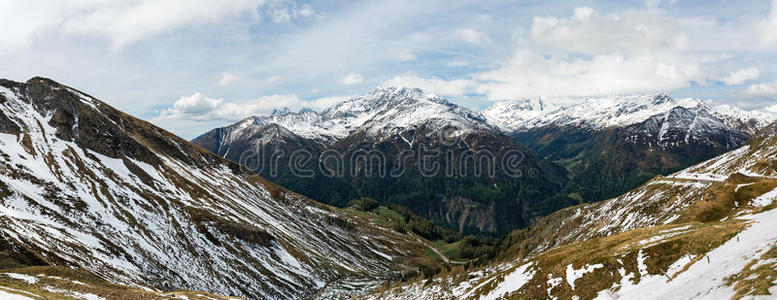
[[84, 185]]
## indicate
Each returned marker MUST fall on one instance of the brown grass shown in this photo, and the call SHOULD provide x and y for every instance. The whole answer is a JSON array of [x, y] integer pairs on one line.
[[617, 252], [63, 282], [756, 280]]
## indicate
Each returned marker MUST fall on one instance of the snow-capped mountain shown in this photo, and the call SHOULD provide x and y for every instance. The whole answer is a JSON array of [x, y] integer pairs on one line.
[[380, 112], [615, 144], [604, 113], [680, 126], [609, 145], [395, 122], [598, 113], [706, 232], [85, 186], [390, 109], [749, 121]]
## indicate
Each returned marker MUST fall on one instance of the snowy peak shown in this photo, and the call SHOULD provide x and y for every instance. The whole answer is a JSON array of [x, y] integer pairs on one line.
[[660, 99], [598, 113], [632, 109], [384, 110], [304, 123], [521, 105], [383, 97], [749, 121], [381, 101], [280, 111], [389, 108], [685, 126], [620, 111]]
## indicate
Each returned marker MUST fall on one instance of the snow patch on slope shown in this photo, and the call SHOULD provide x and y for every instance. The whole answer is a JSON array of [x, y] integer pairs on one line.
[[706, 280], [94, 211], [573, 274]]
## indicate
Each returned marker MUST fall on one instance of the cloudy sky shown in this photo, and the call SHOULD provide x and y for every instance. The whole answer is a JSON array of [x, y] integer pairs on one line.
[[191, 65]]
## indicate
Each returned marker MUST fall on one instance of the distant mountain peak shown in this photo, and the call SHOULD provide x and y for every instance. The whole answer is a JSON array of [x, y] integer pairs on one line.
[[391, 96], [401, 90], [280, 111], [525, 104], [381, 110], [606, 112], [659, 99], [305, 110]]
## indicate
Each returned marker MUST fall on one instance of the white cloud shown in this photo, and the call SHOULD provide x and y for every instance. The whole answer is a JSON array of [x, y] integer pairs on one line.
[[472, 36], [125, 22], [122, 22], [698, 22], [768, 28], [740, 76], [762, 90], [199, 107], [281, 16], [227, 79], [193, 106], [282, 12], [305, 11], [714, 58], [589, 54], [273, 79], [530, 74], [589, 32], [352, 78], [458, 63], [434, 84], [652, 3], [582, 13], [586, 54], [405, 55]]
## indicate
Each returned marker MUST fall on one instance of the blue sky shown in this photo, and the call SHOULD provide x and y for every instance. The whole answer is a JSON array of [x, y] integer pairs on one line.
[[189, 66]]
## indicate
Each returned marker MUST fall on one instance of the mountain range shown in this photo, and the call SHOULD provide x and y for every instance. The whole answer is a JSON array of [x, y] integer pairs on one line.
[[612, 145], [401, 146], [705, 232], [577, 152], [95, 203]]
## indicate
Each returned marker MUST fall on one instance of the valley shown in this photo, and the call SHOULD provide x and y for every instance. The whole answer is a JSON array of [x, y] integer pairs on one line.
[[133, 211], [388, 150]]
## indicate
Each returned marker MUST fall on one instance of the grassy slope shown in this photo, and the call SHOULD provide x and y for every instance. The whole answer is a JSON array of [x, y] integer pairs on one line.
[[390, 219], [712, 221], [45, 282], [705, 223], [616, 253]]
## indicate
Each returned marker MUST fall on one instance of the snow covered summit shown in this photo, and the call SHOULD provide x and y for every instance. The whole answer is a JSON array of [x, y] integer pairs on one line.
[[609, 112], [380, 111]]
